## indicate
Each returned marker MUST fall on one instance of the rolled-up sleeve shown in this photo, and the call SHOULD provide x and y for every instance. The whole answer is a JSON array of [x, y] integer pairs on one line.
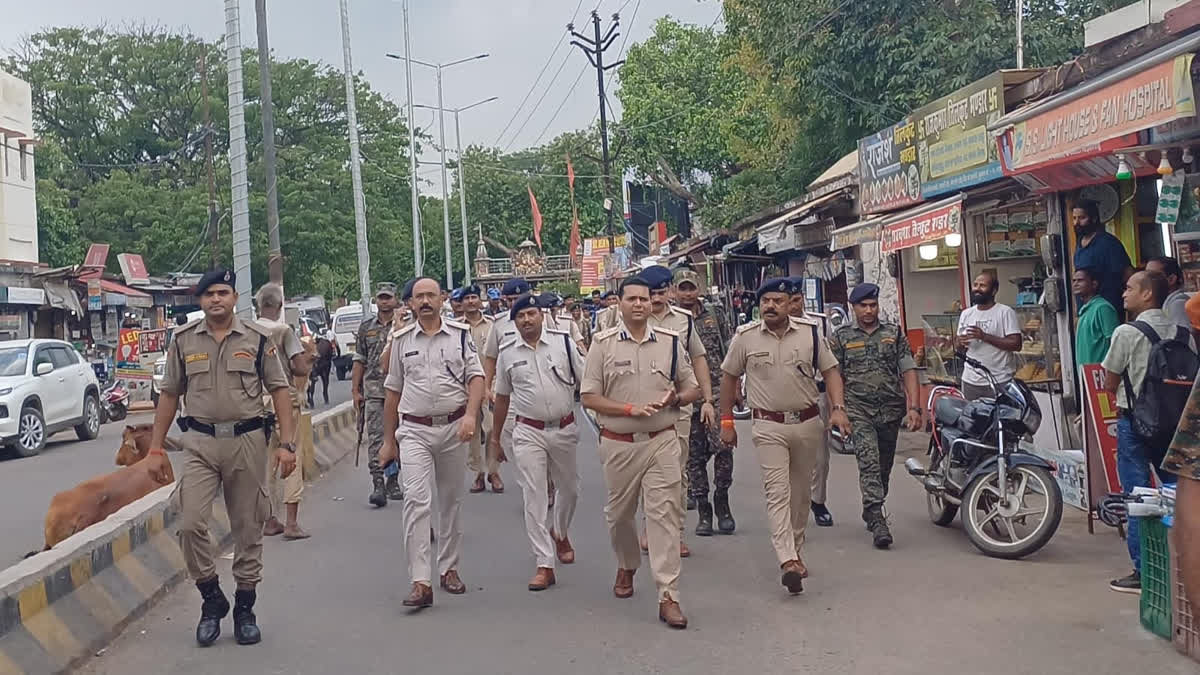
[[173, 376]]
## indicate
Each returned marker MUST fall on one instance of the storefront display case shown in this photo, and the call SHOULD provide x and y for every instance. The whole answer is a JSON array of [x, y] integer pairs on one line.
[[938, 359], [1038, 361]]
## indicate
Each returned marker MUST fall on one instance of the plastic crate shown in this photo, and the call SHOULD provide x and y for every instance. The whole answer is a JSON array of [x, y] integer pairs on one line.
[[1187, 623], [1156, 613]]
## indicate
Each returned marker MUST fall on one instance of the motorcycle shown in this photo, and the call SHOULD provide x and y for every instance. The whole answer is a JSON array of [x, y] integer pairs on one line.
[[1011, 505], [114, 402]]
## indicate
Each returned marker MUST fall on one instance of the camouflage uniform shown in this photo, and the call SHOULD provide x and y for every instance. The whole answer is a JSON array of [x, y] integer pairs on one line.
[[872, 367], [368, 347], [713, 329], [1183, 455]]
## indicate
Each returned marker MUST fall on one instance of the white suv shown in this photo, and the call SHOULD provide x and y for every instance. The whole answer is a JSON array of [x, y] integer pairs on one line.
[[45, 387]]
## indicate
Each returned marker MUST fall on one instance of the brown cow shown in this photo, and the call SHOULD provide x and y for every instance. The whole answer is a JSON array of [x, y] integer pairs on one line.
[[98, 498]]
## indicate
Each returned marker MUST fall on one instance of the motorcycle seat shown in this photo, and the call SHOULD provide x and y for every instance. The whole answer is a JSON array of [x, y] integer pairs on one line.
[[948, 409]]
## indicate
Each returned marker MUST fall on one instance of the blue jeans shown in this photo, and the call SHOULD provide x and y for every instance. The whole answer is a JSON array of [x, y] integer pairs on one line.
[[1133, 469]]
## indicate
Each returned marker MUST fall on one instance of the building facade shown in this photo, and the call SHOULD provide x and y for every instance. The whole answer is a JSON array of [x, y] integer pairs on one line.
[[18, 202]]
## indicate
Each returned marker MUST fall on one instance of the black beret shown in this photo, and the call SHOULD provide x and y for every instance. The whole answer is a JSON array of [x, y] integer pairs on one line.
[[864, 292], [549, 301], [472, 289], [797, 285], [776, 285], [524, 302], [657, 276], [515, 287], [214, 277], [406, 294]]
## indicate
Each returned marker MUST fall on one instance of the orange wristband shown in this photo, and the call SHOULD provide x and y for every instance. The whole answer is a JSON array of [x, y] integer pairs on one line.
[[157, 451], [727, 418], [727, 424], [629, 410]]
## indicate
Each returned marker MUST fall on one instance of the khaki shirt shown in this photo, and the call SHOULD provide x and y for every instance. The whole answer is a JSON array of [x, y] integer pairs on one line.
[[479, 331], [218, 379], [623, 369], [437, 367], [541, 380], [607, 318], [289, 345], [779, 371], [503, 329]]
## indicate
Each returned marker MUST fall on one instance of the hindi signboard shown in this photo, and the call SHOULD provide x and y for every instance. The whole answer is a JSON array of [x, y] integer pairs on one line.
[[887, 167], [926, 225], [954, 148]]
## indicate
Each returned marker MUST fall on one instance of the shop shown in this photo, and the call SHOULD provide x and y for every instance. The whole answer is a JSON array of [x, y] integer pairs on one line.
[[18, 311]]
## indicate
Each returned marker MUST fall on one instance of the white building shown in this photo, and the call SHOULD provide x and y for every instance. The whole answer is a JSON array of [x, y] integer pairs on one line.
[[18, 202]]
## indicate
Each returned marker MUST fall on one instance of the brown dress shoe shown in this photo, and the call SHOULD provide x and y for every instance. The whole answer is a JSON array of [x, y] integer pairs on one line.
[[477, 486], [452, 584], [421, 596], [623, 588], [542, 579], [272, 527], [793, 576], [670, 613], [684, 551], [564, 550], [497, 484]]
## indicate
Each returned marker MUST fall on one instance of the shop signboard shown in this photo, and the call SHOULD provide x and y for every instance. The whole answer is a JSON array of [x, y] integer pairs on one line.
[[97, 256], [133, 268], [129, 348], [926, 225], [1155, 96], [954, 148], [95, 295], [19, 295], [152, 341], [854, 235], [591, 274], [1102, 421], [887, 167], [811, 235], [10, 323]]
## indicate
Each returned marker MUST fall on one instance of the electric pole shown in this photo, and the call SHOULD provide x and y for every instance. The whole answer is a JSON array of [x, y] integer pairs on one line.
[[214, 237], [275, 262], [360, 204], [594, 49], [239, 182]]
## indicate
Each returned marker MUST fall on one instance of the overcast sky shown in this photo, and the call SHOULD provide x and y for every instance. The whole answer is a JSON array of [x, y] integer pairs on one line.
[[519, 35]]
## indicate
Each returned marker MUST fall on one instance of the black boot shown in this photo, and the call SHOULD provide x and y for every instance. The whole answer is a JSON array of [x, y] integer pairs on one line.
[[691, 503], [394, 491], [725, 523], [378, 494], [704, 526], [245, 624], [215, 608], [881, 535]]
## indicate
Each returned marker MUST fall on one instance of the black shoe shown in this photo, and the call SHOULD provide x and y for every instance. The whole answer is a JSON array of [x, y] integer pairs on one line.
[[378, 494], [691, 503], [822, 515], [215, 608], [704, 526], [1129, 584], [725, 522], [394, 492], [245, 624]]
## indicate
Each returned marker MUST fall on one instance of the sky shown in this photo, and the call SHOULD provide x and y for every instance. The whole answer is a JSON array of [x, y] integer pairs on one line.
[[518, 35]]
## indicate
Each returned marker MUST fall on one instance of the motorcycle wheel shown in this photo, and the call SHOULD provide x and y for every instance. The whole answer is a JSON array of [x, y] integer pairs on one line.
[[103, 414], [1026, 521], [941, 512], [119, 413]]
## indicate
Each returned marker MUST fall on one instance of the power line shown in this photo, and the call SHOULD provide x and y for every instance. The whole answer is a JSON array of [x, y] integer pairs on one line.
[[533, 110], [561, 104]]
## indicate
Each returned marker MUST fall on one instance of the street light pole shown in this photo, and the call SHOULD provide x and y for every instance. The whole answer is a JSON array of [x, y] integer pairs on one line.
[[418, 254]]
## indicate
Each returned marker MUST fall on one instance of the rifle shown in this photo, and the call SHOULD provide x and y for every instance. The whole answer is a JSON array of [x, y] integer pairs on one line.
[[361, 418]]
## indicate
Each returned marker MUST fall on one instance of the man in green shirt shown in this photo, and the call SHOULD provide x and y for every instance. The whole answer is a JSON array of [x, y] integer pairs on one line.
[[1097, 318]]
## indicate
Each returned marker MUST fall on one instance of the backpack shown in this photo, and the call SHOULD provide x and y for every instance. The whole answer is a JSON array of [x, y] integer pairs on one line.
[[1158, 408]]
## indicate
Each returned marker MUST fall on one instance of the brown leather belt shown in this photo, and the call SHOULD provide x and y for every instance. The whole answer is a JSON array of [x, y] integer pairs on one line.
[[436, 420], [634, 437], [789, 416], [552, 424]]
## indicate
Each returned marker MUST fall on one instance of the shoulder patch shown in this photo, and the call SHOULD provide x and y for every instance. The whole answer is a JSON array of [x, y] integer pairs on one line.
[[747, 326], [666, 331], [607, 333], [557, 331], [680, 310]]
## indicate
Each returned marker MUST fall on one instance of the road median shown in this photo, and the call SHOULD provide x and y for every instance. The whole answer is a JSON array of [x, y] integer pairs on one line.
[[61, 606]]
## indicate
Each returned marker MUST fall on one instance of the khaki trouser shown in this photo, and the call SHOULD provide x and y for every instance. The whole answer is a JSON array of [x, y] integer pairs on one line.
[[239, 466], [683, 430], [648, 469], [475, 452], [283, 490], [787, 453], [821, 467], [429, 456], [540, 454]]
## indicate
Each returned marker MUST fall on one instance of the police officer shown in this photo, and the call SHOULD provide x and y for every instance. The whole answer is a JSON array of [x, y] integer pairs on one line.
[[456, 304], [481, 325], [503, 330], [221, 365], [552, 304], [434, 389], [781, 357], [297, 363], [797, 309], [880, 377], [367, 389], [538, 373], [635, 378], [704, 438]]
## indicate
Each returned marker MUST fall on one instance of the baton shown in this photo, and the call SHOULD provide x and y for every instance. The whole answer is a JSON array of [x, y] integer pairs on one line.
[[358, 445]]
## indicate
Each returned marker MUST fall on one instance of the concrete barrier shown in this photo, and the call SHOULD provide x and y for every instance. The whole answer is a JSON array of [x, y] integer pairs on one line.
[[59, 607]]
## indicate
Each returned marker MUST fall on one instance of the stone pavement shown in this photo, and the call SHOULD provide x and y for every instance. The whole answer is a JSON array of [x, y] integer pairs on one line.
[[932, 604]]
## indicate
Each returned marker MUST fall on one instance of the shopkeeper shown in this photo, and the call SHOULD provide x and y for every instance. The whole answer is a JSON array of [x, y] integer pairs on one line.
[[1097, 318], [1101, 251], [990, 333]]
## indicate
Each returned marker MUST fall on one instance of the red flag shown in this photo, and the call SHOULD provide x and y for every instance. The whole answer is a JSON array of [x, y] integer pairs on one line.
[[570, 174], [537, 218], [574, 250]]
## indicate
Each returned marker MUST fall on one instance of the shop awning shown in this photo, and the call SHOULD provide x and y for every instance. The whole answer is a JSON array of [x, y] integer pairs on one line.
[[922, 224], [774, 236], [133, 297], [862, 232], [60, 296]]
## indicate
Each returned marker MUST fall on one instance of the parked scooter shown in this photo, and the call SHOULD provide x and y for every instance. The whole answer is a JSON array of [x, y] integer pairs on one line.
[[114, 402], [1011, 504]]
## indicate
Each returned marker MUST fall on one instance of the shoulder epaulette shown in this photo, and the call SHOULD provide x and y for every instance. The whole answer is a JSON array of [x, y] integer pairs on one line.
[[667, 331], [402, 331], [512, 340], [607, 333], [257, 327], [805, 321], [552, 329], [456, 324], [190, 325], [747, 326], [680, 310]]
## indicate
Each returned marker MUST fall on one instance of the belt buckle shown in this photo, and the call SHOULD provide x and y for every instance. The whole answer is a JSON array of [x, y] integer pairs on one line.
[[641, 436], [791, 417], [223, 430], [550, 425], [439, 420]]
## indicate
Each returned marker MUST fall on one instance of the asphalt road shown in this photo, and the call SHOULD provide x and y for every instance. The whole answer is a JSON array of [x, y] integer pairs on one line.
[[932, 604], [27, 485]]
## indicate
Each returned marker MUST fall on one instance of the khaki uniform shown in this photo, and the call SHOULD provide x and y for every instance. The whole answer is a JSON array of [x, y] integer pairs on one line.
[[780, 381], [540, 382], [284, 490], [503, 330], [475, 454], [219, 385], [431, 373], [622, 369]]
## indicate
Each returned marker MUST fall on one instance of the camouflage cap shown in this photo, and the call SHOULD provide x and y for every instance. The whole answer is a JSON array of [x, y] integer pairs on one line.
[[385, 288], [686, 276]]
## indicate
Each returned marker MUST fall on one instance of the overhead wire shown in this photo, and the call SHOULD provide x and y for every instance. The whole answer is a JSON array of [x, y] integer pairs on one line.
[[561, 104]]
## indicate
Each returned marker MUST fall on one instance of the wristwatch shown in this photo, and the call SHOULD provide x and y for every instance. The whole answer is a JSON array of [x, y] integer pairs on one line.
[[840, 407], [290, 447], [915, 409]]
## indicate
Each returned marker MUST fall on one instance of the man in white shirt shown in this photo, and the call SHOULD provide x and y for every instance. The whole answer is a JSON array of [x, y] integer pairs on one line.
[[989, 332]]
